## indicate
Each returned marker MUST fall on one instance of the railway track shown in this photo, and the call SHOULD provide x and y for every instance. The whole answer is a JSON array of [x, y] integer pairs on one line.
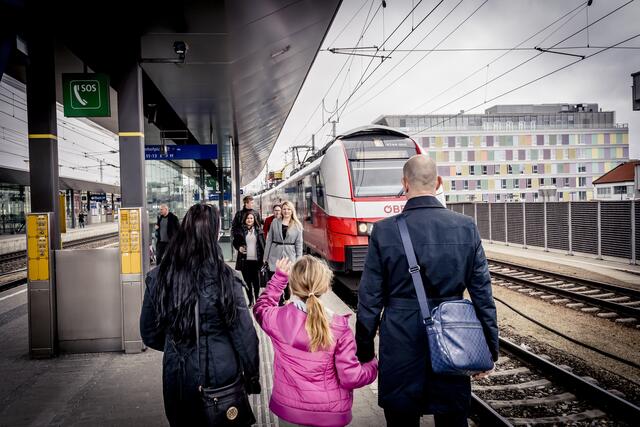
[[13, 265], [529, 389], [604, 300]]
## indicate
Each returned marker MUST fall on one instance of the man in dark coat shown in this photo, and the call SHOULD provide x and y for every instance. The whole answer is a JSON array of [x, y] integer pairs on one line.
[[451, 259], [166, 226]]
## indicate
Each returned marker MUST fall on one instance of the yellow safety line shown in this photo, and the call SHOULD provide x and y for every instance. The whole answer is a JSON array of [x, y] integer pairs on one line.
[[140, 134], [42, 136]]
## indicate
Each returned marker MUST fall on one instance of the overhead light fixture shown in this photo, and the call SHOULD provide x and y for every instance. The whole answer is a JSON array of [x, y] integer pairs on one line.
[[281, 51]]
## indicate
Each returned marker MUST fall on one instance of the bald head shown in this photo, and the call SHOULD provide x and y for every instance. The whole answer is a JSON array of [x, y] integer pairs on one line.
[[420, 174]]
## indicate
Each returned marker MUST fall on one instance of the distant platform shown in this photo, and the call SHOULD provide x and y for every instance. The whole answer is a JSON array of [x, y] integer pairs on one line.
[[18, 242], [621, 273]]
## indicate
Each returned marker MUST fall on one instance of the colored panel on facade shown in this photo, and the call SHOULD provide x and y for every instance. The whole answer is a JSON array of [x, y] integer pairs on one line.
[[522, 154], [572, 153], [438, 142], [471, 156], [600, 139], [476, 141], [509, 154], [625, 153], [458, 156], [547, 168], [559, 154], [533, 154], [552, 139], [503, 169], [464, 141], [565, 139], [425, 141], [491, 155], [539, 139], [528, 169], [452, 171], [607, 139], [547, 154], [489, 140], [451, 141]]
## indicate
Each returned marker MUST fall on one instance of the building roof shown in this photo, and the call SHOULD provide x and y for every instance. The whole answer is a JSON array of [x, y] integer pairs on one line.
[[624, 172]]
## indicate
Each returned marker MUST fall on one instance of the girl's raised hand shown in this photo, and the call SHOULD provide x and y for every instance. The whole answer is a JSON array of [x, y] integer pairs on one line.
[[284, 265]]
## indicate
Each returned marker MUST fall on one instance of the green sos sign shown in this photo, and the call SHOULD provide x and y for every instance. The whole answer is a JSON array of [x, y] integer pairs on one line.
[[86, 95]]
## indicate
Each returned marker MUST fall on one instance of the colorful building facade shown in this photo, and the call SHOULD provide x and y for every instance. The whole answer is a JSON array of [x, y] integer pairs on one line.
[[511, 151]]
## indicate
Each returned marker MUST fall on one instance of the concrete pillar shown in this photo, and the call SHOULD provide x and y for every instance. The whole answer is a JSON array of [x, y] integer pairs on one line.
[[134, 256], [43, 176]]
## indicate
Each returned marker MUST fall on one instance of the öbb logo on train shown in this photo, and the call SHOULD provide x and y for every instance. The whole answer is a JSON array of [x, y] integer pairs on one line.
[[393, 209]]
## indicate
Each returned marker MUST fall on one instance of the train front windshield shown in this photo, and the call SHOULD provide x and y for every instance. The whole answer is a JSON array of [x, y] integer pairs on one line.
[[376, 164]]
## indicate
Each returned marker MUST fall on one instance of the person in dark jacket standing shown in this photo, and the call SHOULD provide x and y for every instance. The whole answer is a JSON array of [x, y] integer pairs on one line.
[[166, 227], [250, 247], [193, 272], [247, 206], [451, 259]]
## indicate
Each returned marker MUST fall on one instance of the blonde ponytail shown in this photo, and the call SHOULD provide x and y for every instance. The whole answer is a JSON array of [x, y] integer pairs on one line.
[[310, 278]]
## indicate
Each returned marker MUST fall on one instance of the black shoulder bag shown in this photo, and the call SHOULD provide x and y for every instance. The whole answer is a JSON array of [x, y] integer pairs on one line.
[[223, 406]]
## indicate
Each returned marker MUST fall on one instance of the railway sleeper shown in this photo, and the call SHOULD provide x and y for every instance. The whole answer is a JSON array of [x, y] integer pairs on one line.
[[560, 419], [519, 386], [513, 371], [555, 398]]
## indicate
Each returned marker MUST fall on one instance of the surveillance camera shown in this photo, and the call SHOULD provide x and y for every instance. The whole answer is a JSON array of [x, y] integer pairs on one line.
[[180, 48]]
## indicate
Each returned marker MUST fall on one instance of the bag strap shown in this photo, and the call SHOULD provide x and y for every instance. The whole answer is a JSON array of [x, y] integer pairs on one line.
[[414, 269]]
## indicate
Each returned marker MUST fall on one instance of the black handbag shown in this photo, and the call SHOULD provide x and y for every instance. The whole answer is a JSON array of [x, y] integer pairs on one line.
[[223, 406], [263, 275]]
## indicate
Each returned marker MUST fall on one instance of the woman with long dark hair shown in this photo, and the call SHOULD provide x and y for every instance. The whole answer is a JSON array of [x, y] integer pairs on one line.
[[194, 272]]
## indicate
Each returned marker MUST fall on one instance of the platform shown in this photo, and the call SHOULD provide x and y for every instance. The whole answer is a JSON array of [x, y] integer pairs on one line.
[[113, 388], [621, 273], [18, 242]]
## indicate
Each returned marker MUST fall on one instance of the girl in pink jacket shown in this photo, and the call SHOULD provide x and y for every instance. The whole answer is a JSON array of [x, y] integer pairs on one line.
[[315, 366]]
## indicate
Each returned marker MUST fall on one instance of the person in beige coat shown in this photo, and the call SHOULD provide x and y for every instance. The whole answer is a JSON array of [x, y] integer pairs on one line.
[[284, 239]]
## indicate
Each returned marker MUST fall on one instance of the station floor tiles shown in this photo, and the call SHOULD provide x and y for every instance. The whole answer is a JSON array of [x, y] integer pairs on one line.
[[114, 389]]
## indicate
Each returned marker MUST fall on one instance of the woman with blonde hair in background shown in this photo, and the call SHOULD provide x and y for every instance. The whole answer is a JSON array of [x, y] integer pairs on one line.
[[284, 240], [315, 364]]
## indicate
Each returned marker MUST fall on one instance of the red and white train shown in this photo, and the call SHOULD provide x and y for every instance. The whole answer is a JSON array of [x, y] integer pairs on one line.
[[349, 185]]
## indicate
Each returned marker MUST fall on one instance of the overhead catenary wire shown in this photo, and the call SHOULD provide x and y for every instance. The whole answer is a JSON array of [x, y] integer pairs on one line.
[[528, 83], [427, 54], [360, 80], [366, 26], [515, 67], [363, 79], [496, 59]]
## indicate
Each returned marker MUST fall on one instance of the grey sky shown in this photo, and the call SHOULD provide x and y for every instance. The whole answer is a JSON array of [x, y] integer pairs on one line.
[[604, 79]]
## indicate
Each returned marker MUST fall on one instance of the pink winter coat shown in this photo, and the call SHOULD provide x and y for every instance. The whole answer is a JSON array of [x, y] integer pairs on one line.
[[312, 389]]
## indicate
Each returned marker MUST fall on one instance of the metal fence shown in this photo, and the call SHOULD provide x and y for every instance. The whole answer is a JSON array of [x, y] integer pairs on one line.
[[603, 229]]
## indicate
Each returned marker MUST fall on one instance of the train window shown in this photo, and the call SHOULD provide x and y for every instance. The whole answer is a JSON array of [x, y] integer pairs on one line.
[[308, 196], [319, 191]]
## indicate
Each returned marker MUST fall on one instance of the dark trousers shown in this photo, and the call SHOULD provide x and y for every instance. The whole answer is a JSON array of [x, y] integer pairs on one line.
[[412, 419], [250, 274], [161, 248]]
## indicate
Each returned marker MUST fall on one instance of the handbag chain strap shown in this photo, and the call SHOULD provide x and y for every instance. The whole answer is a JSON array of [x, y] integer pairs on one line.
[[414, 270]]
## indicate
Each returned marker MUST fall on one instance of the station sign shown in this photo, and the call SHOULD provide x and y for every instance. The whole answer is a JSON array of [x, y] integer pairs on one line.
[[181, 152], [85, 95], [98, 197]]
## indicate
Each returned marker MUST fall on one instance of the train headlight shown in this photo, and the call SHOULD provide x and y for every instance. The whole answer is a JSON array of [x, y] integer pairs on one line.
[[365, 228]]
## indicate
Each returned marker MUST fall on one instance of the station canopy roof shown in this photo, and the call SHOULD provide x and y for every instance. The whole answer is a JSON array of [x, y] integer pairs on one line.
[[245, 63]]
